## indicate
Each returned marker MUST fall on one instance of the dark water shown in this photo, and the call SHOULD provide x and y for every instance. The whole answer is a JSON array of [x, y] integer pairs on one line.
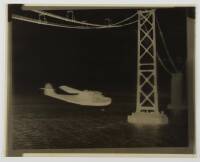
[[40, 122]]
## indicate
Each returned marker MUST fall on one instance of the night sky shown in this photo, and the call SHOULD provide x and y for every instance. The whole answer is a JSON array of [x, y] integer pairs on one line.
[[90, 59]]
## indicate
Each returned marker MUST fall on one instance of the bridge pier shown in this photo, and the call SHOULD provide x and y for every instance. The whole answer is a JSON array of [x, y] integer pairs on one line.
[[176, 92]]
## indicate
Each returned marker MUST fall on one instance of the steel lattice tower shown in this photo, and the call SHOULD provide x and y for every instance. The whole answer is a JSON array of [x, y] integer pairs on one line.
[[147, 111], [147, 90]]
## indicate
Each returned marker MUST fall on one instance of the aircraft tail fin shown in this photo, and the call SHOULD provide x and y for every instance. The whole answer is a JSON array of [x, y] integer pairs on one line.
[[48, 89]]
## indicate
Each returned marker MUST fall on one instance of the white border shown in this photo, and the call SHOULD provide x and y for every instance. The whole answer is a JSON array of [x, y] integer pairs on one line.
[[2, 78], [3, 35], [104, 2]]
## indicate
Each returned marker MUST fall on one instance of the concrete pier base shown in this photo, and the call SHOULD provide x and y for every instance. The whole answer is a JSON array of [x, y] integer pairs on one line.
[[176, 92], [148, 118]]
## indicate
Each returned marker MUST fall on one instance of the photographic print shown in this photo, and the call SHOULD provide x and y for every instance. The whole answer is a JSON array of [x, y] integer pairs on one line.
[[100, 79]]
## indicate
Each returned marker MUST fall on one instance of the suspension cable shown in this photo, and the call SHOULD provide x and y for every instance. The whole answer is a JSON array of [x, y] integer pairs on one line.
[[80, 22], [26, 19], [124, 20], [31, 20], [66, 19], [159, 59], [163, 65], [165, 47]]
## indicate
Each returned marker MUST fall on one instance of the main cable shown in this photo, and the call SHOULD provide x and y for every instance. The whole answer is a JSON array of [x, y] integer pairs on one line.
[[31, 20], [66, 19], [124, 20], [80, 22], [165, 47]]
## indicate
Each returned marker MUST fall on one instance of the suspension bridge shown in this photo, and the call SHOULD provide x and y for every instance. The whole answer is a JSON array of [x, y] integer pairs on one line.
[[147, 106]]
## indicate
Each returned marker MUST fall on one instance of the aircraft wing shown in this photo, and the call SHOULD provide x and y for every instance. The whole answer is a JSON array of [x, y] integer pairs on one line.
[[69, 89]]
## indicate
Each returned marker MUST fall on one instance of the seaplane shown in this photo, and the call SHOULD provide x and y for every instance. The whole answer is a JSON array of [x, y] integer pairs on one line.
[[75, 96]]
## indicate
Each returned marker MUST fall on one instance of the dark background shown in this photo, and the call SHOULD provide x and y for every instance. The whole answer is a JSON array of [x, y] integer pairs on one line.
[[90, 59]]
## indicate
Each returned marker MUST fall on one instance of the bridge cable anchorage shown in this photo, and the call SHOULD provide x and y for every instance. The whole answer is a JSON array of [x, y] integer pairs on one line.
[[165, 47], [41, 22], [81, 22]]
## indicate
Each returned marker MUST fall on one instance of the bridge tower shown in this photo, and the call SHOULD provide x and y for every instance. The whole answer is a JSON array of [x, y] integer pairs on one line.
[[147, 109]]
